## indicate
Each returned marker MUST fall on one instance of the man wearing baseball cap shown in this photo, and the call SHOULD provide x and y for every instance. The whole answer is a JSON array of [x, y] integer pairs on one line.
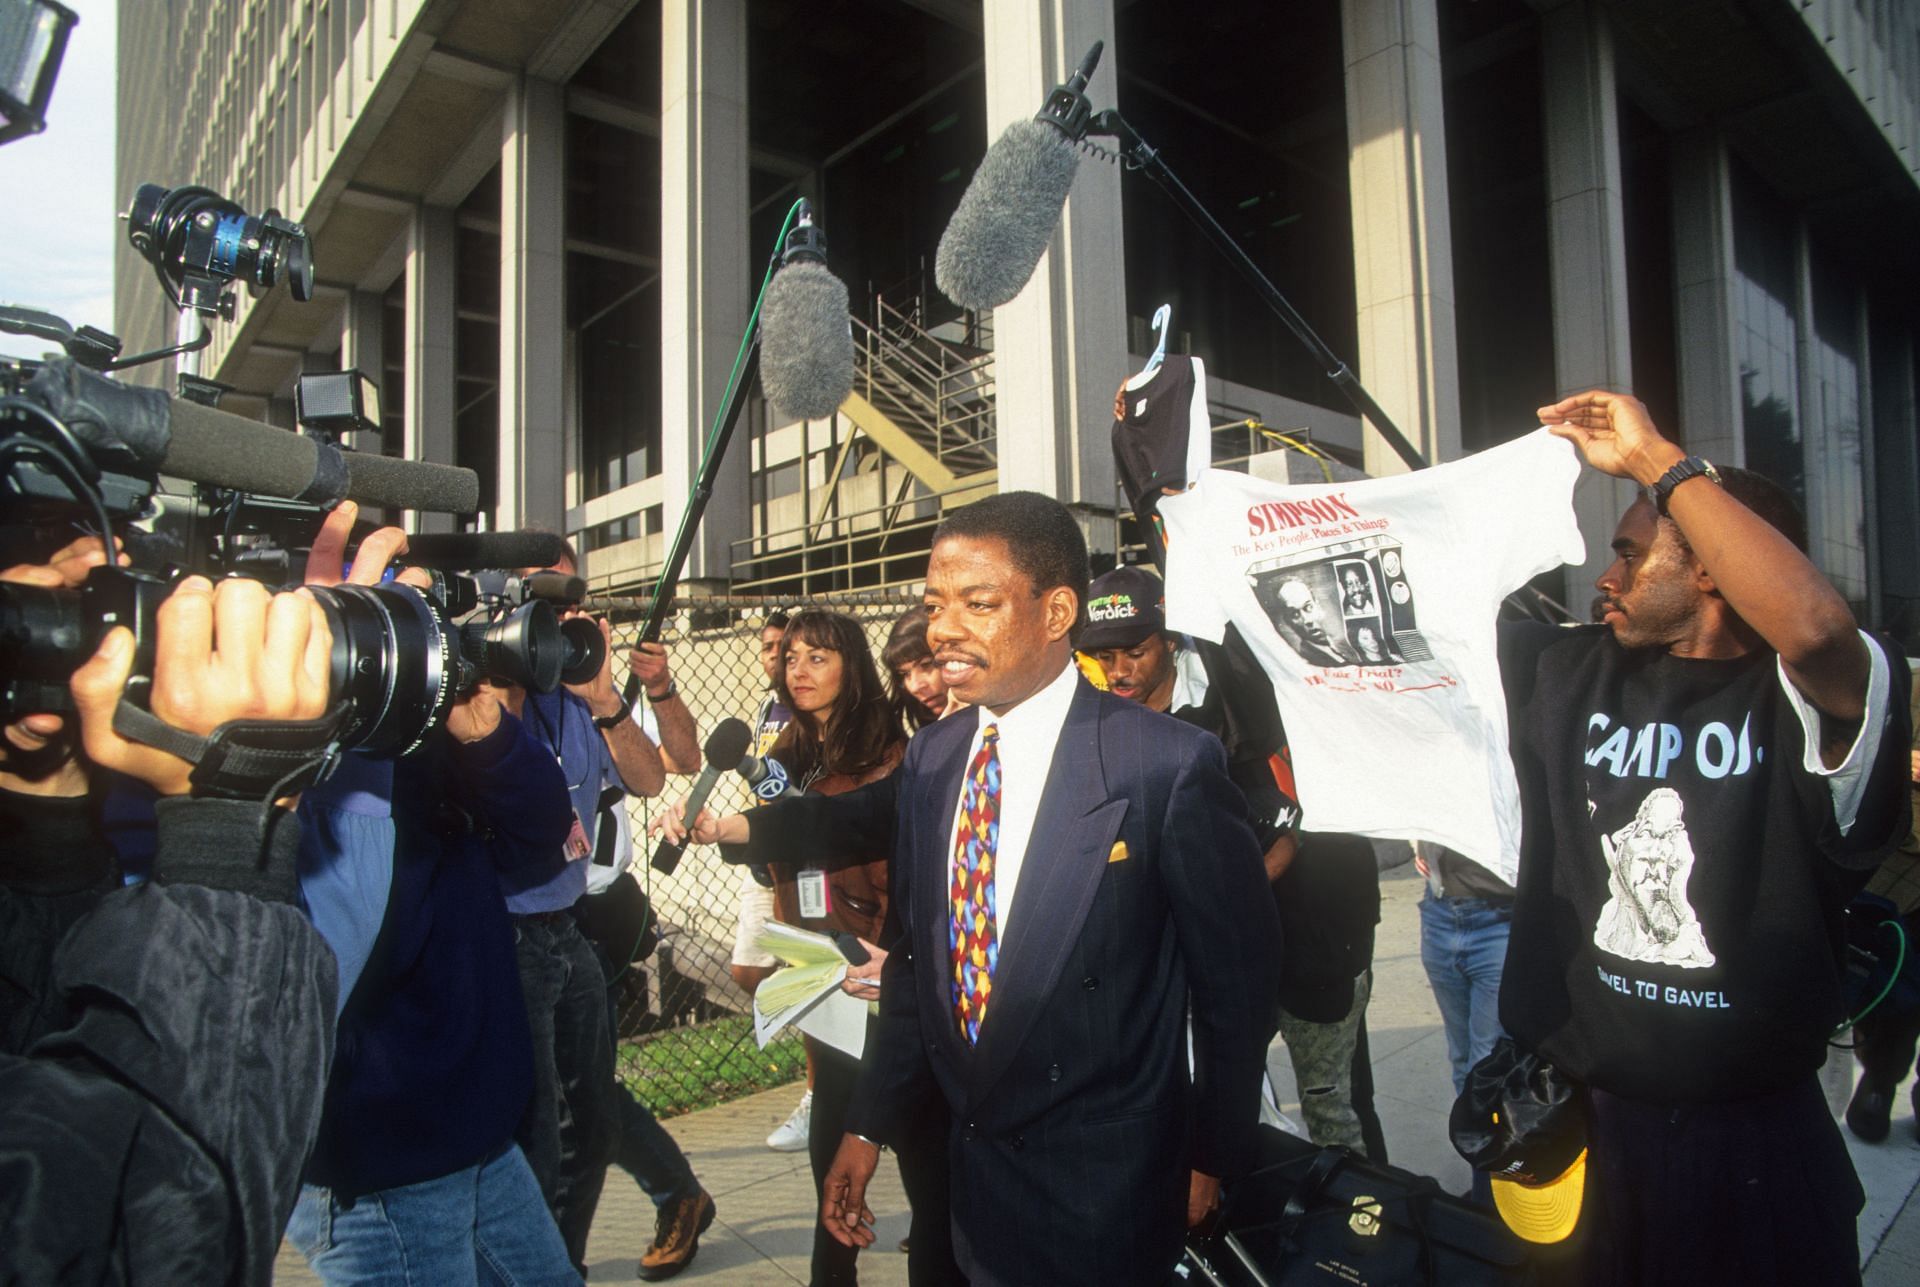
[[1326, 886]]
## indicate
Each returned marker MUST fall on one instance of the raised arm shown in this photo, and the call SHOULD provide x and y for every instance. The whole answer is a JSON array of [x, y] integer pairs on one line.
[[635, 758], [1774, 588], [679, 738]]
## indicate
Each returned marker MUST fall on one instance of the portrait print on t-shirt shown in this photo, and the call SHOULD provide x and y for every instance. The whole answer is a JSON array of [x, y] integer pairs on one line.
[[1323, 581], [1326, 603], [1647, 916]]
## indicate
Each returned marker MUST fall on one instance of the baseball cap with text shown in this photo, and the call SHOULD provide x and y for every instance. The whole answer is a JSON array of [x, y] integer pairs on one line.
[[1524, 1122], [1123, 607]]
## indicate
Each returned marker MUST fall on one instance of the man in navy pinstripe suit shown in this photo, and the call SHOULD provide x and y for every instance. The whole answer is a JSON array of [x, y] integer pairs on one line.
[[1126, 892]]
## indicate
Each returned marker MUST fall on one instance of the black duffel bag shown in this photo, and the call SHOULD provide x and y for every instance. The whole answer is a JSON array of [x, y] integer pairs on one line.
[[1311, 1215]]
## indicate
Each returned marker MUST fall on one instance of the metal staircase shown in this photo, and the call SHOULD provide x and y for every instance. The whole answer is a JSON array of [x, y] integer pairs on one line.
[[936, 392], [924, 397]]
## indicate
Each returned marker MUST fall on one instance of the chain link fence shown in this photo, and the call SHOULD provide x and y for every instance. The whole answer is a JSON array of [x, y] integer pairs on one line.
[[685, 1037]]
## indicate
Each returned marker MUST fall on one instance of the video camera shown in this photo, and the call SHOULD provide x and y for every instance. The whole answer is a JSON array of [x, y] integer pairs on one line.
[[80, 450]]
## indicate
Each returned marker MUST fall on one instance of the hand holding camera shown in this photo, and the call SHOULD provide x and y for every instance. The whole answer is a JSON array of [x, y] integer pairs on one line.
[[31, 747], [222, 653]]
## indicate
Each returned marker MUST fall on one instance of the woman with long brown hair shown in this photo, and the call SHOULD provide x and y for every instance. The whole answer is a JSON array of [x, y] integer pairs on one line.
[[919, 691]]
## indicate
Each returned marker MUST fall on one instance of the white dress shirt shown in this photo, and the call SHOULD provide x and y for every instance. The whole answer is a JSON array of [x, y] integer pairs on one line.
[[1028, 735]]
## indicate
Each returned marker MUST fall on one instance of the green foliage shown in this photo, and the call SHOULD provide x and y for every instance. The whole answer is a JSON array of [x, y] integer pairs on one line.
[[678, 1070]]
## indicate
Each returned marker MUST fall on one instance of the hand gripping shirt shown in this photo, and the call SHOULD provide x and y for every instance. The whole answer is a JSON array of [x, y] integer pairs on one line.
[[1371, 606]]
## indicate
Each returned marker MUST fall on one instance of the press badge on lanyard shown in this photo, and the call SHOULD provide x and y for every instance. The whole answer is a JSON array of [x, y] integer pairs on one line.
[[576, 846], [815, 902]]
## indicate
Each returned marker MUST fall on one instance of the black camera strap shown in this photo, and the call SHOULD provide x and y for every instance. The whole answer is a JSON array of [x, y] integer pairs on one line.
[[243, 759]]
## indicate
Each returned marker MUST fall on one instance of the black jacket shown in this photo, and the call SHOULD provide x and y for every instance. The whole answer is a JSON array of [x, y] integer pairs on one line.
[[157, 1134]]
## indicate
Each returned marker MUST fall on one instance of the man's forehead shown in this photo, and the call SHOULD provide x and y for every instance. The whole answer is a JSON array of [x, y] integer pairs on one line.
[[969, 561], [1638, 527]]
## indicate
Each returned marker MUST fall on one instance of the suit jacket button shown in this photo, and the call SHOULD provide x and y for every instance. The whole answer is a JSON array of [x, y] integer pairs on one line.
[[1053, 1072], [1089, 983], [967, 1132], [1019, 1141]]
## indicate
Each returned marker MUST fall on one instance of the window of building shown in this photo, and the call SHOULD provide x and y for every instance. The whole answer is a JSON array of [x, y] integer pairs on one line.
[[1497, 199], [1255, 127], [1834, 477], [1765, 340]]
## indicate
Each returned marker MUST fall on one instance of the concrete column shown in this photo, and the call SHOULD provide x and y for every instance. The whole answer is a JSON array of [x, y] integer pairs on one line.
[[430, 392], [532, 317], [1060, 348], [362, 334], [1402, 234], [707, 274], [1706, 286], [1587, 248]]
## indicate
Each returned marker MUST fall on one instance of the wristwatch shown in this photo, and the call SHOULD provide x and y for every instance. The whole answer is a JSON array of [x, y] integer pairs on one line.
[[1683, 469], [673, 691], [604, 722]]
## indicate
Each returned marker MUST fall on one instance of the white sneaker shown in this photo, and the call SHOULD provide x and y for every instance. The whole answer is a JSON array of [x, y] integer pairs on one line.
[[791, 1135]]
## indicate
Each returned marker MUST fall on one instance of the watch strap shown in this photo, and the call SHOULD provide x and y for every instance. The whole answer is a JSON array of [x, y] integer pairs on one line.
[[1683, 469], [613, 720]]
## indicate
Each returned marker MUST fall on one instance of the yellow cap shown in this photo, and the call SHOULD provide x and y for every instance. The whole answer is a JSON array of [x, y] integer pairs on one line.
[[1545, 1212]]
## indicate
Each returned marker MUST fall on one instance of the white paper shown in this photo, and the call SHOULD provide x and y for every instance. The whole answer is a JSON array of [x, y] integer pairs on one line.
[[821, 1009]]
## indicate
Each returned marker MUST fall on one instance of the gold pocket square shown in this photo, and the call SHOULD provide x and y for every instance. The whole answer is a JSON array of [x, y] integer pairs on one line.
[[1119, 852]]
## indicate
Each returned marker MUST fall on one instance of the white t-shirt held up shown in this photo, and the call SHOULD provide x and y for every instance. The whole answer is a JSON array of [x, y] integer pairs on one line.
[[1371, 607]]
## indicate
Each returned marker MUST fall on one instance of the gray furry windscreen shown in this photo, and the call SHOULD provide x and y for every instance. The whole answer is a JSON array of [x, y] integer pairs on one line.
[[806, 346], [1006, 217]]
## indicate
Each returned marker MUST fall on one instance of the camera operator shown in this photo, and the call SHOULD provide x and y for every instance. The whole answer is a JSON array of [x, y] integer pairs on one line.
[[581, 1117], [155, 1133], [415, 1157]]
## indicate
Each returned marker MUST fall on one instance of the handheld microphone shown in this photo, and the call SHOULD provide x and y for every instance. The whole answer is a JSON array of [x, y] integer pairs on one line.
[[767, 778], [806, 337], [467, 551], [1011, 207], [726, 746]]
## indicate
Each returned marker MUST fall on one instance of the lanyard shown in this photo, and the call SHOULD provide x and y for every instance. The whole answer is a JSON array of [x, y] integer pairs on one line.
[[555, 736]]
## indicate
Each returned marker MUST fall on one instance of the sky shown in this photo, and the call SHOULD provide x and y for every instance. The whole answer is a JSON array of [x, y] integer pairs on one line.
[[59, 213]]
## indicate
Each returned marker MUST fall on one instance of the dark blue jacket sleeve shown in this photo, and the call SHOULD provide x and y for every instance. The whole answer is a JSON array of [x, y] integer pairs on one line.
[[515, 785]]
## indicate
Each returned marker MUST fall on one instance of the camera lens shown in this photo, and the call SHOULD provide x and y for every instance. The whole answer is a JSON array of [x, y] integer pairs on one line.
[[396, 663], [586, 650], [524, 647]]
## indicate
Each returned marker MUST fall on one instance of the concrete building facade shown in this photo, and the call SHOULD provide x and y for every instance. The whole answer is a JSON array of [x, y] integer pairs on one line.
[[542, 227]]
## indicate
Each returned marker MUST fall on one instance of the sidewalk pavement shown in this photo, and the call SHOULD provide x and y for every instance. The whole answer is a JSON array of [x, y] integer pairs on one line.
[[764, 1228]]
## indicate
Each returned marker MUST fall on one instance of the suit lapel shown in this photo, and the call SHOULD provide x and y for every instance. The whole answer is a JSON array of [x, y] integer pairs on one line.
[[1065, 859]]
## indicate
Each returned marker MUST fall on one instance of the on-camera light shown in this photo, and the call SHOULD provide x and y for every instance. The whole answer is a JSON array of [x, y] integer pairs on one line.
[[33, 40]]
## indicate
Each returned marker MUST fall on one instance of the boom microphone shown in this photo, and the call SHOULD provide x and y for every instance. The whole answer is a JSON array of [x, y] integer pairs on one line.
[[726, 746], [465, 551], [1009, 211], [806, 339]]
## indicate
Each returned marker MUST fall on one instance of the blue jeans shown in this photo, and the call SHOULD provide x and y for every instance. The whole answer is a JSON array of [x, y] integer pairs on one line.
[[1463, 944], [485, 1224]]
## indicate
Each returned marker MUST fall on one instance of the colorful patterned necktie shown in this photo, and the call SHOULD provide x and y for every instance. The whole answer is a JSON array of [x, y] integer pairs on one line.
[[974, 942]]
